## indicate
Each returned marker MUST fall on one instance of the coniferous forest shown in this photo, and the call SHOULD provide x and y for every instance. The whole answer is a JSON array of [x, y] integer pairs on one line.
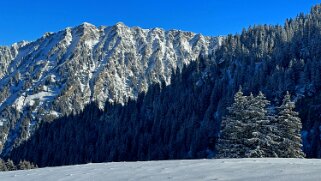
[[183, 119]]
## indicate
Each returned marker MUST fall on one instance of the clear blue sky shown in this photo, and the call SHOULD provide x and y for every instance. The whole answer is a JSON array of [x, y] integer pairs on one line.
[[30, 19]]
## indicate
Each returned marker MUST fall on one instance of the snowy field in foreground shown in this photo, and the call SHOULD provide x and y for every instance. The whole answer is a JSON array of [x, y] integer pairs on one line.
[[185, 170]]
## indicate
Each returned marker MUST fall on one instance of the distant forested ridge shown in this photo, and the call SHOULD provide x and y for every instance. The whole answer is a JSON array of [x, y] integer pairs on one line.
[[182, 120]]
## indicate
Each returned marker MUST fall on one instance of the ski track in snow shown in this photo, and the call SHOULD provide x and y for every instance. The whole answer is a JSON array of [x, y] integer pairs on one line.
[[263, 169]]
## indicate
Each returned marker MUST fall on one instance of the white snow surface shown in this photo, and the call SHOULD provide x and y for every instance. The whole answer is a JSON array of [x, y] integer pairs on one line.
[[262, 169]]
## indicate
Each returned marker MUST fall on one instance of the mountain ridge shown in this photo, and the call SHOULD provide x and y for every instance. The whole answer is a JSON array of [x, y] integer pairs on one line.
[[59, 73]]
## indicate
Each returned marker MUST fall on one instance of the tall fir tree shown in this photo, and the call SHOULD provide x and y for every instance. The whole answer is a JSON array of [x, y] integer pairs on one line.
[[289, 125], [257, 140], [233, 127], [3, 166]]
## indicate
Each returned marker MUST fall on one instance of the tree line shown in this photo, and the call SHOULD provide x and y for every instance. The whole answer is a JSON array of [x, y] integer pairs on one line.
[[9, 165]]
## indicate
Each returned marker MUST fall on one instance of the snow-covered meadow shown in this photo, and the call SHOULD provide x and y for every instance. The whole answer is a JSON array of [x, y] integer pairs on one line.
[[185, 170]]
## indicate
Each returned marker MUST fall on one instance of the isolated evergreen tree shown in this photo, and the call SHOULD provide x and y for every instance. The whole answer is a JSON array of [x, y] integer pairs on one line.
[[290, 126], [10, 165], [258, 141], [3, 166], [234, 125]]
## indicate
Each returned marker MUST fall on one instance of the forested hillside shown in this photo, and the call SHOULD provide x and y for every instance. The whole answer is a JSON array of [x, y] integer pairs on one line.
[[61, 72], [165, 123], [182, 120]]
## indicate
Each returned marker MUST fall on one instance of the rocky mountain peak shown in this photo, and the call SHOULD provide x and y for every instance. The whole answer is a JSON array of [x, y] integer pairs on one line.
[[61, 72]]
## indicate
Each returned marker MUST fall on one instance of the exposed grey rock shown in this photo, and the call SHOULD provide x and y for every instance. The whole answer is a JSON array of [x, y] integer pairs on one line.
[[61, 72]]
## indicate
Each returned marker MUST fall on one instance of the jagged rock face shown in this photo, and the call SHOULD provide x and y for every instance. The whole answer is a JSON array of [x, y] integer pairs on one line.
[[7, 54], [61, 72]]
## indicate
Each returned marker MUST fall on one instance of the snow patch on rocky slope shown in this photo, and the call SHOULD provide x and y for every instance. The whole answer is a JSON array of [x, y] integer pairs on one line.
[[62, 72]]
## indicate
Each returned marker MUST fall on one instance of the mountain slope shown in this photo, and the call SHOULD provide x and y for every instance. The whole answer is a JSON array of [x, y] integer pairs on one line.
[[182, 120], [61, 72]]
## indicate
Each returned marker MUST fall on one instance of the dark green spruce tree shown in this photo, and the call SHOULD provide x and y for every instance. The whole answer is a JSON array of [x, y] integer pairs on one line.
[[289, 125], [231, 142]]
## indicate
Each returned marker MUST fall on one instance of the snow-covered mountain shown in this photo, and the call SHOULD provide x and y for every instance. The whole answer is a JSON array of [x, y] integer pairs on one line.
[[61, 72], [264, 169]]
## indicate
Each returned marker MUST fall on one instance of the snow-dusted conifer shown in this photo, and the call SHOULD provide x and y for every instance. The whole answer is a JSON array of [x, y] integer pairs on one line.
[[289, 125], [10, 165], [234, 125], [246, 130], [3, 166], [257, 139]]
